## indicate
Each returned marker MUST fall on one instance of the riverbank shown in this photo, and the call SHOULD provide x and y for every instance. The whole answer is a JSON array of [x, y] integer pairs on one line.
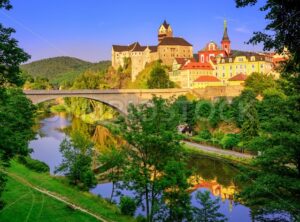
[[215, 153], [67, 200]]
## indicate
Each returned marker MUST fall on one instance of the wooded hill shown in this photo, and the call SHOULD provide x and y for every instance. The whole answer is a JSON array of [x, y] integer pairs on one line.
[[61, 69]]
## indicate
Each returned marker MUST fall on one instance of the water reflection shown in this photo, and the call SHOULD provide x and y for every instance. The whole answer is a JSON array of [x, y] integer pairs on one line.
[[210, 174]]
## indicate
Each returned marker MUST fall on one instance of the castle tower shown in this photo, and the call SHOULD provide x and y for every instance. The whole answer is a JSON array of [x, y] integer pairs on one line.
[[225, 40], [164, 30]]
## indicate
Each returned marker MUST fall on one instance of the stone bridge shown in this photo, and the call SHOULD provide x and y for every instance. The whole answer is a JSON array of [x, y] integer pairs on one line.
[[116, 98]]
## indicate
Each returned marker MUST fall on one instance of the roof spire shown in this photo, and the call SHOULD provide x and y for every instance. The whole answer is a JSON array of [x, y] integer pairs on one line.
[[225, 24], [225, 35]]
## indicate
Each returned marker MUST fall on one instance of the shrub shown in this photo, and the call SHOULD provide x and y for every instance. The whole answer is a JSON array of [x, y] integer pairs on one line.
[[230, 140], [35, 165], [205, 134], [127, 206], [217, 137]]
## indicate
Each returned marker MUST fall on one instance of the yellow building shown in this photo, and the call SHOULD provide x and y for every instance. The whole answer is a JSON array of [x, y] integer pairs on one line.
[[239, 62], [186, 71]]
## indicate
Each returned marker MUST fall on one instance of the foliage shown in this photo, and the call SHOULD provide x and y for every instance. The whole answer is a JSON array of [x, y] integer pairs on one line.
[[76, 163], [205, 134], [127, 206], [283, 23], [240, 106], [176, 197], [16, 111], [151, 132], [112, 163], [250, 127], [230, 141], [186, 110], [209, 209], [159, 79], [62, 70], [259, 82], [35, 165], [37, 83], [16, 120]]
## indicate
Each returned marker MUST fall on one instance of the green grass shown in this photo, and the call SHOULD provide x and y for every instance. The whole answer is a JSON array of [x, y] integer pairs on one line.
[[60, 186], [25, 204]]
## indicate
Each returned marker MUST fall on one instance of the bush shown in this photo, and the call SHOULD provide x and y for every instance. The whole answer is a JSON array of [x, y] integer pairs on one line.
[[217, 137], [127, 206], [229, 141], [141, 218], [205, 134], [35, 165]]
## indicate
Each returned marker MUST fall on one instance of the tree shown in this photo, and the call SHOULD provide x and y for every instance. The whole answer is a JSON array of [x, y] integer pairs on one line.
[[77, 161], [113, 162], [186, 110], [250, 127], [208, 210], [282, 31], [276, 186], [151, 132], [159, 79], [11, 55], [259, 82]]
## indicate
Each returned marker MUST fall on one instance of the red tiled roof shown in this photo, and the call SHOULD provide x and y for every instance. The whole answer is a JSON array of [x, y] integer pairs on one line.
[[197, 65], [238, 77], [207, 79]]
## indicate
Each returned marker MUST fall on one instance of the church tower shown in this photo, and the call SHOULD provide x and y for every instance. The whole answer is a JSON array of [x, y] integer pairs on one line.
[[164, 30], [225, 40]]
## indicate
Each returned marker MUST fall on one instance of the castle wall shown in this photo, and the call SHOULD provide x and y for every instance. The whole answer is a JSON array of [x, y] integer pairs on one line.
[[167, 53]]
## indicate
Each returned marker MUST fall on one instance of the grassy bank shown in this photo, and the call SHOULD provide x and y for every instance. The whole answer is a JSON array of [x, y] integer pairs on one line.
[[192, 150], [23, 201]]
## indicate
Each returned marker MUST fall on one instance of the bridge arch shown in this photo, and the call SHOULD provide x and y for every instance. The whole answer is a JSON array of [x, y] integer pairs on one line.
[[117, 99]]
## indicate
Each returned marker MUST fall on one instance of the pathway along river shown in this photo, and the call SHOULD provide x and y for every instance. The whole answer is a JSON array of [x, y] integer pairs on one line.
[[215, 175]]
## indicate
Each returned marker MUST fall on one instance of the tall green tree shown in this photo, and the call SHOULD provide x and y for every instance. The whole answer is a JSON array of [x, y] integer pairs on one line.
[[276, 185], [77, 161], [209, 209], [159, 79], [153, 141], [16, 111]]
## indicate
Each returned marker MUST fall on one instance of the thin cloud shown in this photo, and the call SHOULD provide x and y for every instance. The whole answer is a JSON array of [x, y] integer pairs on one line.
[[243, 30]]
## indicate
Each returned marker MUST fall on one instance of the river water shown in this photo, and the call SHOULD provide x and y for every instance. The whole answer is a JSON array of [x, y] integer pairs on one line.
[[215, 175]]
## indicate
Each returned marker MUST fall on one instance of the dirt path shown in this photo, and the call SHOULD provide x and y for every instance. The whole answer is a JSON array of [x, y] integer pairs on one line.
[[55, 196], [212, 149]]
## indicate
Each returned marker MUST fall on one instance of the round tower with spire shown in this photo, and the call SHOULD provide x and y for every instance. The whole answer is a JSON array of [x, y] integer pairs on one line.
[[164, 30], [225, 40]]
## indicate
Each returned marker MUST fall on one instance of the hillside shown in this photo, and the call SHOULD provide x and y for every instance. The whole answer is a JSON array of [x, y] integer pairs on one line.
[[61, 69]]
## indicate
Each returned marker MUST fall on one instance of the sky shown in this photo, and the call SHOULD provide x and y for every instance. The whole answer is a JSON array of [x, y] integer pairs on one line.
[[87, 29]]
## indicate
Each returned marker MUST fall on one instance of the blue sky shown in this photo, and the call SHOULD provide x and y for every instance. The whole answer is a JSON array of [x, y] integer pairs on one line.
[[87, 29]]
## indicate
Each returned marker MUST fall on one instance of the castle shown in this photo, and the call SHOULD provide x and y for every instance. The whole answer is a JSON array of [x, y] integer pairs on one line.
[[168, 48]]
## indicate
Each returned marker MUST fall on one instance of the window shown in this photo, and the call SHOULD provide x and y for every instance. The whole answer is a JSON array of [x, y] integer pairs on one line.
[[240, 60], [223, 74], [230, 67], [252, 58], [241, 66], [230, 59], [261, 66], [223, 67], [202, 58], [253, 66]]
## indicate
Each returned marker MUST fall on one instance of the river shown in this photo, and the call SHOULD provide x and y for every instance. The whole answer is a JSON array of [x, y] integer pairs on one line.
[[215, 175]]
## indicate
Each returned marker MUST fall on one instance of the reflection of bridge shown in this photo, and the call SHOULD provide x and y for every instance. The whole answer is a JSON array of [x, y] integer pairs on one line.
[[116, 98]]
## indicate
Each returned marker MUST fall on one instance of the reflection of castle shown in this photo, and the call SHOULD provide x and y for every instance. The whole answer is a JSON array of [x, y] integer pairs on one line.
[[218, 190]]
